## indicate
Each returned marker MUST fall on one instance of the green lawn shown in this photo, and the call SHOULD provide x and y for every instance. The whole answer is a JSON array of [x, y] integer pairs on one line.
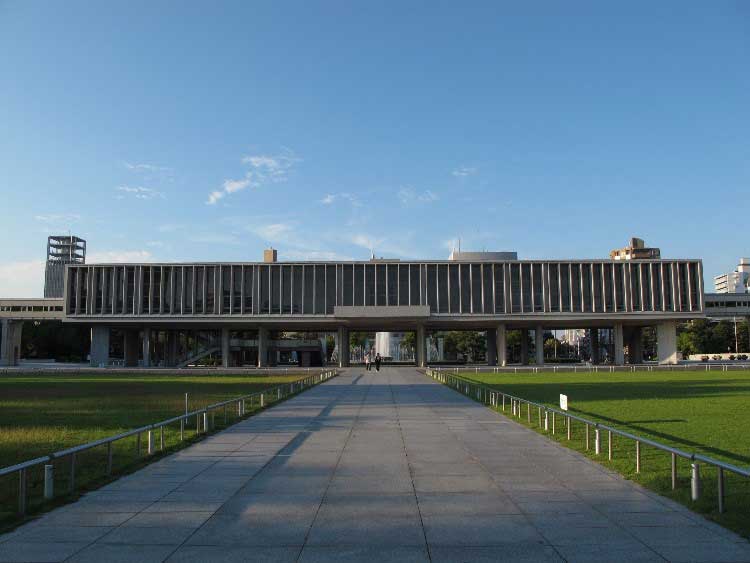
[[42, 414], [699, 412]]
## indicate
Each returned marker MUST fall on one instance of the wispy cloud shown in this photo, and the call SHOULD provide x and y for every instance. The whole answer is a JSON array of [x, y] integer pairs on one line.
[[170, 227], [409, 195], [144, 167], [264, 169], [138, 192], [57, 218], [463, 171], [351, 198]]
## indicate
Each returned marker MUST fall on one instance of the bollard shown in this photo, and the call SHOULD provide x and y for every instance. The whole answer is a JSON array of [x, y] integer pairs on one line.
[[150, 442], [597, 442], [695, 481], [49, 481]]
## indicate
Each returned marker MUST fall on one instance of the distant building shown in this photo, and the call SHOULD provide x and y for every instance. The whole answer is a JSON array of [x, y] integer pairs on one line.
[[635, 251], [61, 250], [734, 282]]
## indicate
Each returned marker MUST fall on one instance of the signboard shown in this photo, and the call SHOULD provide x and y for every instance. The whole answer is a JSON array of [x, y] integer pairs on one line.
[[563, 402]]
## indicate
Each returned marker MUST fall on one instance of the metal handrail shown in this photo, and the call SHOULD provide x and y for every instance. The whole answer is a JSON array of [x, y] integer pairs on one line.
[[451, 377], [20, 468]]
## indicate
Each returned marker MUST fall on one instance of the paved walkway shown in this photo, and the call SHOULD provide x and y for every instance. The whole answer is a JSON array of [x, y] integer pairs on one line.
[[387, 466]]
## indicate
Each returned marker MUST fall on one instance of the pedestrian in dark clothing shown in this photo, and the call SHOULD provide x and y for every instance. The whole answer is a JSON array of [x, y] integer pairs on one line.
[[378, 359]]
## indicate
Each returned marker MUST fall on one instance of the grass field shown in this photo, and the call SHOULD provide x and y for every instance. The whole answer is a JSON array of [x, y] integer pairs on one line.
[[42, 414], [699, 412]]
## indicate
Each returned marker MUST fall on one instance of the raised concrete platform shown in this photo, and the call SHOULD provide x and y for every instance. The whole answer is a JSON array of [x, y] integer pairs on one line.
[[387, 466]]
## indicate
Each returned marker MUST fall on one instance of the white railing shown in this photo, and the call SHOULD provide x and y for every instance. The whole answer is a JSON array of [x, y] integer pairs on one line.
[[204, 422], [546, 417]]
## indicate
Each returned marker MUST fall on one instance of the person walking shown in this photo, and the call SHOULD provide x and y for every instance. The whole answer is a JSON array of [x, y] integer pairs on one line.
[[378, 359], [367, 361]]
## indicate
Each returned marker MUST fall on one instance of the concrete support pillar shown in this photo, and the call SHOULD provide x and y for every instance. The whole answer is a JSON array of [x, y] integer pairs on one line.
[[635, 345], [99, 355], [539, 345], [130, 347], [524, 346], [666, 342], [501, 346], [10, 342], [146, 347], [225, 347], [421, 338], [619, 344], [594, 342], [173, 341], [491, 347], [262, 347]]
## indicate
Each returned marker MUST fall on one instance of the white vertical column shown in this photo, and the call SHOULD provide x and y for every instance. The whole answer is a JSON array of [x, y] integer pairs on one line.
[[421, 347], [262, 346], [491, 347], [666, 342], [146, 347], [99, 355], [225, 347], [539, 345], [619, 344], [501, 345]]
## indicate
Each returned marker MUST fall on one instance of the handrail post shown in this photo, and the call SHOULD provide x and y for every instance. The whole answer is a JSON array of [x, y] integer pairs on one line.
[[609, 444], [695, 481], [587, 436], [161, 438], [597, 441], [567, 424], [72, 472], [553, 422], [182, 429], [637, 456], [674, 471], [720, 489], [109, 458], [22, 492], [150, 442], [49, 481]]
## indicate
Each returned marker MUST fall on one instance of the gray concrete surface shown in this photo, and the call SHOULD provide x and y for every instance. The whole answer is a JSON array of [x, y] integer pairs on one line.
[[387, 466]]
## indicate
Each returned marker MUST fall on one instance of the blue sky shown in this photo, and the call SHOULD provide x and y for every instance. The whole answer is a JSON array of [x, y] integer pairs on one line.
[[209, 131]]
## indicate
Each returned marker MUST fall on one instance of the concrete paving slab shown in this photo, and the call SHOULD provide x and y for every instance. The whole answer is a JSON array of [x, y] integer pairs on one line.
[[386, 466]]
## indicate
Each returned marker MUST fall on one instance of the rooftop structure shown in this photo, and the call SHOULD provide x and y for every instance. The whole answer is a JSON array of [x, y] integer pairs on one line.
[[61, 250], [635, 251], [734, 282], [463, 256]]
